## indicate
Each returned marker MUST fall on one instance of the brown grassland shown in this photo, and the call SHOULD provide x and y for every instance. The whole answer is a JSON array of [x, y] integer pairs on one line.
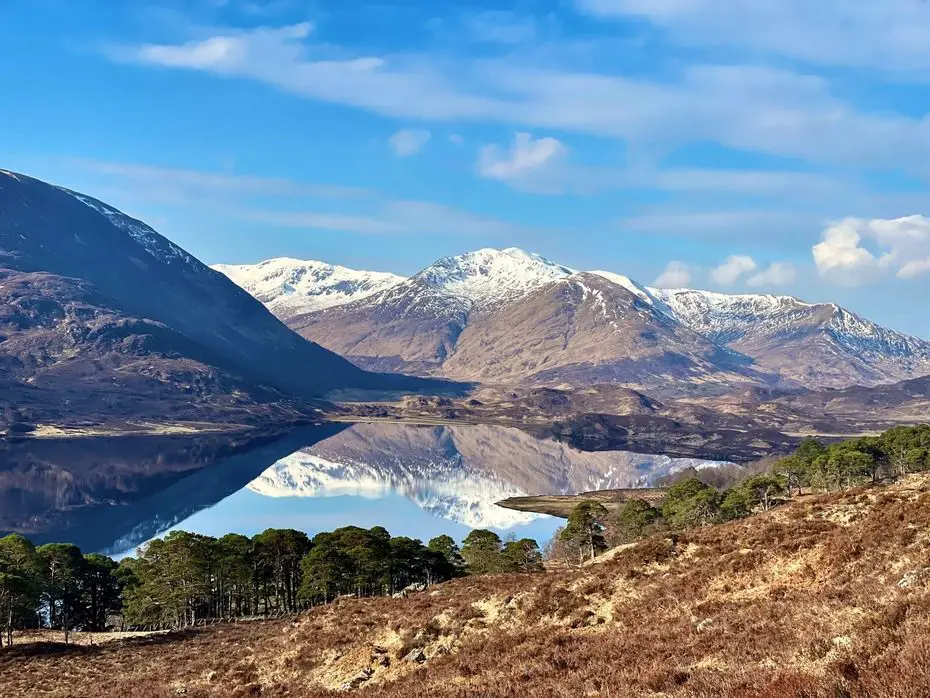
[[828, 596]]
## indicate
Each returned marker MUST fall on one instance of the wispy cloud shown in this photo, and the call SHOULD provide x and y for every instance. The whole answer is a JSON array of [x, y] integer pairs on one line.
[[721, 224], [501, 27], [733, 269], [289, 203], [890, 34], [751, 107], [546, 165], [395, 217], [675, 275], [776, 274], [529, 163], [195, 181]]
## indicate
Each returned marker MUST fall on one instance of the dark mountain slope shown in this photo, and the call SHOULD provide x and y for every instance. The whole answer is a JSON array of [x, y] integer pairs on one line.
[[88, 293]]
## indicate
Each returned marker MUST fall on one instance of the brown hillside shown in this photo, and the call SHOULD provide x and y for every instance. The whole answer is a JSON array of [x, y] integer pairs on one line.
[[828, 596]]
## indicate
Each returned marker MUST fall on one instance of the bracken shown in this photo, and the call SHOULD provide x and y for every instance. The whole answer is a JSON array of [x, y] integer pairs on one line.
[[825, 597]]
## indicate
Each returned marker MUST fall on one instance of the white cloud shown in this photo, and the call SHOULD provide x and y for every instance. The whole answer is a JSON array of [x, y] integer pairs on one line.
[[456, 139], [777, 274], [733, 269], [524, 163], [911, 270], [901, 246], [407, 142], [753, 108], [887, 34], [675, 275]]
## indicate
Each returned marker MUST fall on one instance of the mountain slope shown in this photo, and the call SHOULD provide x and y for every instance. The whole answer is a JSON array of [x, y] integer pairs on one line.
[[818, 345], [824, 596], [584, 330], [94, 296], [290, 287], [504, 316], [500, 316], [415, 325]]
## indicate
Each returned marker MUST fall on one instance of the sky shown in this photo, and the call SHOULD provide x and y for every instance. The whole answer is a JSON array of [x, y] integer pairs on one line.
[[737, 145]]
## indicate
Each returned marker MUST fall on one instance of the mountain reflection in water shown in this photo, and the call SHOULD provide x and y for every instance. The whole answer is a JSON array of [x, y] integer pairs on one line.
[[420, 481]]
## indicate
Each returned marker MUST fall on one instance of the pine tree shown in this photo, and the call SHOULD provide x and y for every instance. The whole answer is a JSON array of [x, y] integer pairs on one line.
[[585, 527]]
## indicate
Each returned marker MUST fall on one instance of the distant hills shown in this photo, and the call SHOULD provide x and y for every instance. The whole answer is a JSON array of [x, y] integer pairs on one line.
[[101, 315], [506, 316]]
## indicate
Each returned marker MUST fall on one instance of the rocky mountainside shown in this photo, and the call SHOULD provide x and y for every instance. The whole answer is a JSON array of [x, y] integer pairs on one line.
[[98, 308], [817, 345], [508, 316], [291, 287], [415, 326], [504, 316]]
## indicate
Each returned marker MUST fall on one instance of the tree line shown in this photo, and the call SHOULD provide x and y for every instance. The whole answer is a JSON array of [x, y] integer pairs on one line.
[[690, 502], [184, 577]]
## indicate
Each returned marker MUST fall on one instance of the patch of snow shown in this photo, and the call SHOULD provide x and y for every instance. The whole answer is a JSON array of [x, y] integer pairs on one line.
[[293, 286], [488, 279], [726, 318], [156, 245]]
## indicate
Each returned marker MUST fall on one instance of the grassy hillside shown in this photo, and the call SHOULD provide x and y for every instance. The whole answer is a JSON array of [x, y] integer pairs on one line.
[[826, 596]]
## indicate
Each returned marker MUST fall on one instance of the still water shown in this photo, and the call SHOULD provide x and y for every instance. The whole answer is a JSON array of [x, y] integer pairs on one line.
[[419, 481]]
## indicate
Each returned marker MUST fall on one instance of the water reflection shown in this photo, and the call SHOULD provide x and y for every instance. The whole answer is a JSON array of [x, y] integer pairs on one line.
[[114, 494], [423, 481]]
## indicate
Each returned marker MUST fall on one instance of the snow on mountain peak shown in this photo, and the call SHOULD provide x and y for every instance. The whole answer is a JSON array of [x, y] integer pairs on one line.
[[489, 278], [290, 286], [727, 318]]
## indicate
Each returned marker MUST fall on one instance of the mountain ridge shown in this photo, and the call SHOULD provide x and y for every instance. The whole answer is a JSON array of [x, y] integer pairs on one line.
[[101, 311], [820, 345]]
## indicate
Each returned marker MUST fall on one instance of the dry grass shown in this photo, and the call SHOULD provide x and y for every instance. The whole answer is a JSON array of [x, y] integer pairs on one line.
[[828, 597]]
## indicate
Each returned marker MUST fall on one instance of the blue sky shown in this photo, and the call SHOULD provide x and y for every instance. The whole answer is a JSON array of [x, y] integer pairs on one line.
[[765, 145]]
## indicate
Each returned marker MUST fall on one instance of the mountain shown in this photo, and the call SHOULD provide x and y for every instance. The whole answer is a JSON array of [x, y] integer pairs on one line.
[[415, 325], [817, 345], [99, 311], [505, 316], [291, 287]]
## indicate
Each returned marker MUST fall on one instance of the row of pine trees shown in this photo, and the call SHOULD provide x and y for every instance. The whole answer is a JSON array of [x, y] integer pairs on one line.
[[185, 578]]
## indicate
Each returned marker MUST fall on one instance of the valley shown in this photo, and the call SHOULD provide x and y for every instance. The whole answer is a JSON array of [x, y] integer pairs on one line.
[[425, 349], [152, 341]]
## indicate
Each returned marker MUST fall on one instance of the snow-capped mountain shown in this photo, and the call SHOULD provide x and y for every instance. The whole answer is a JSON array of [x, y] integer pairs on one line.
[[821, 345], [489, 279], [291, 287], [456, 473], [508, 315]]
